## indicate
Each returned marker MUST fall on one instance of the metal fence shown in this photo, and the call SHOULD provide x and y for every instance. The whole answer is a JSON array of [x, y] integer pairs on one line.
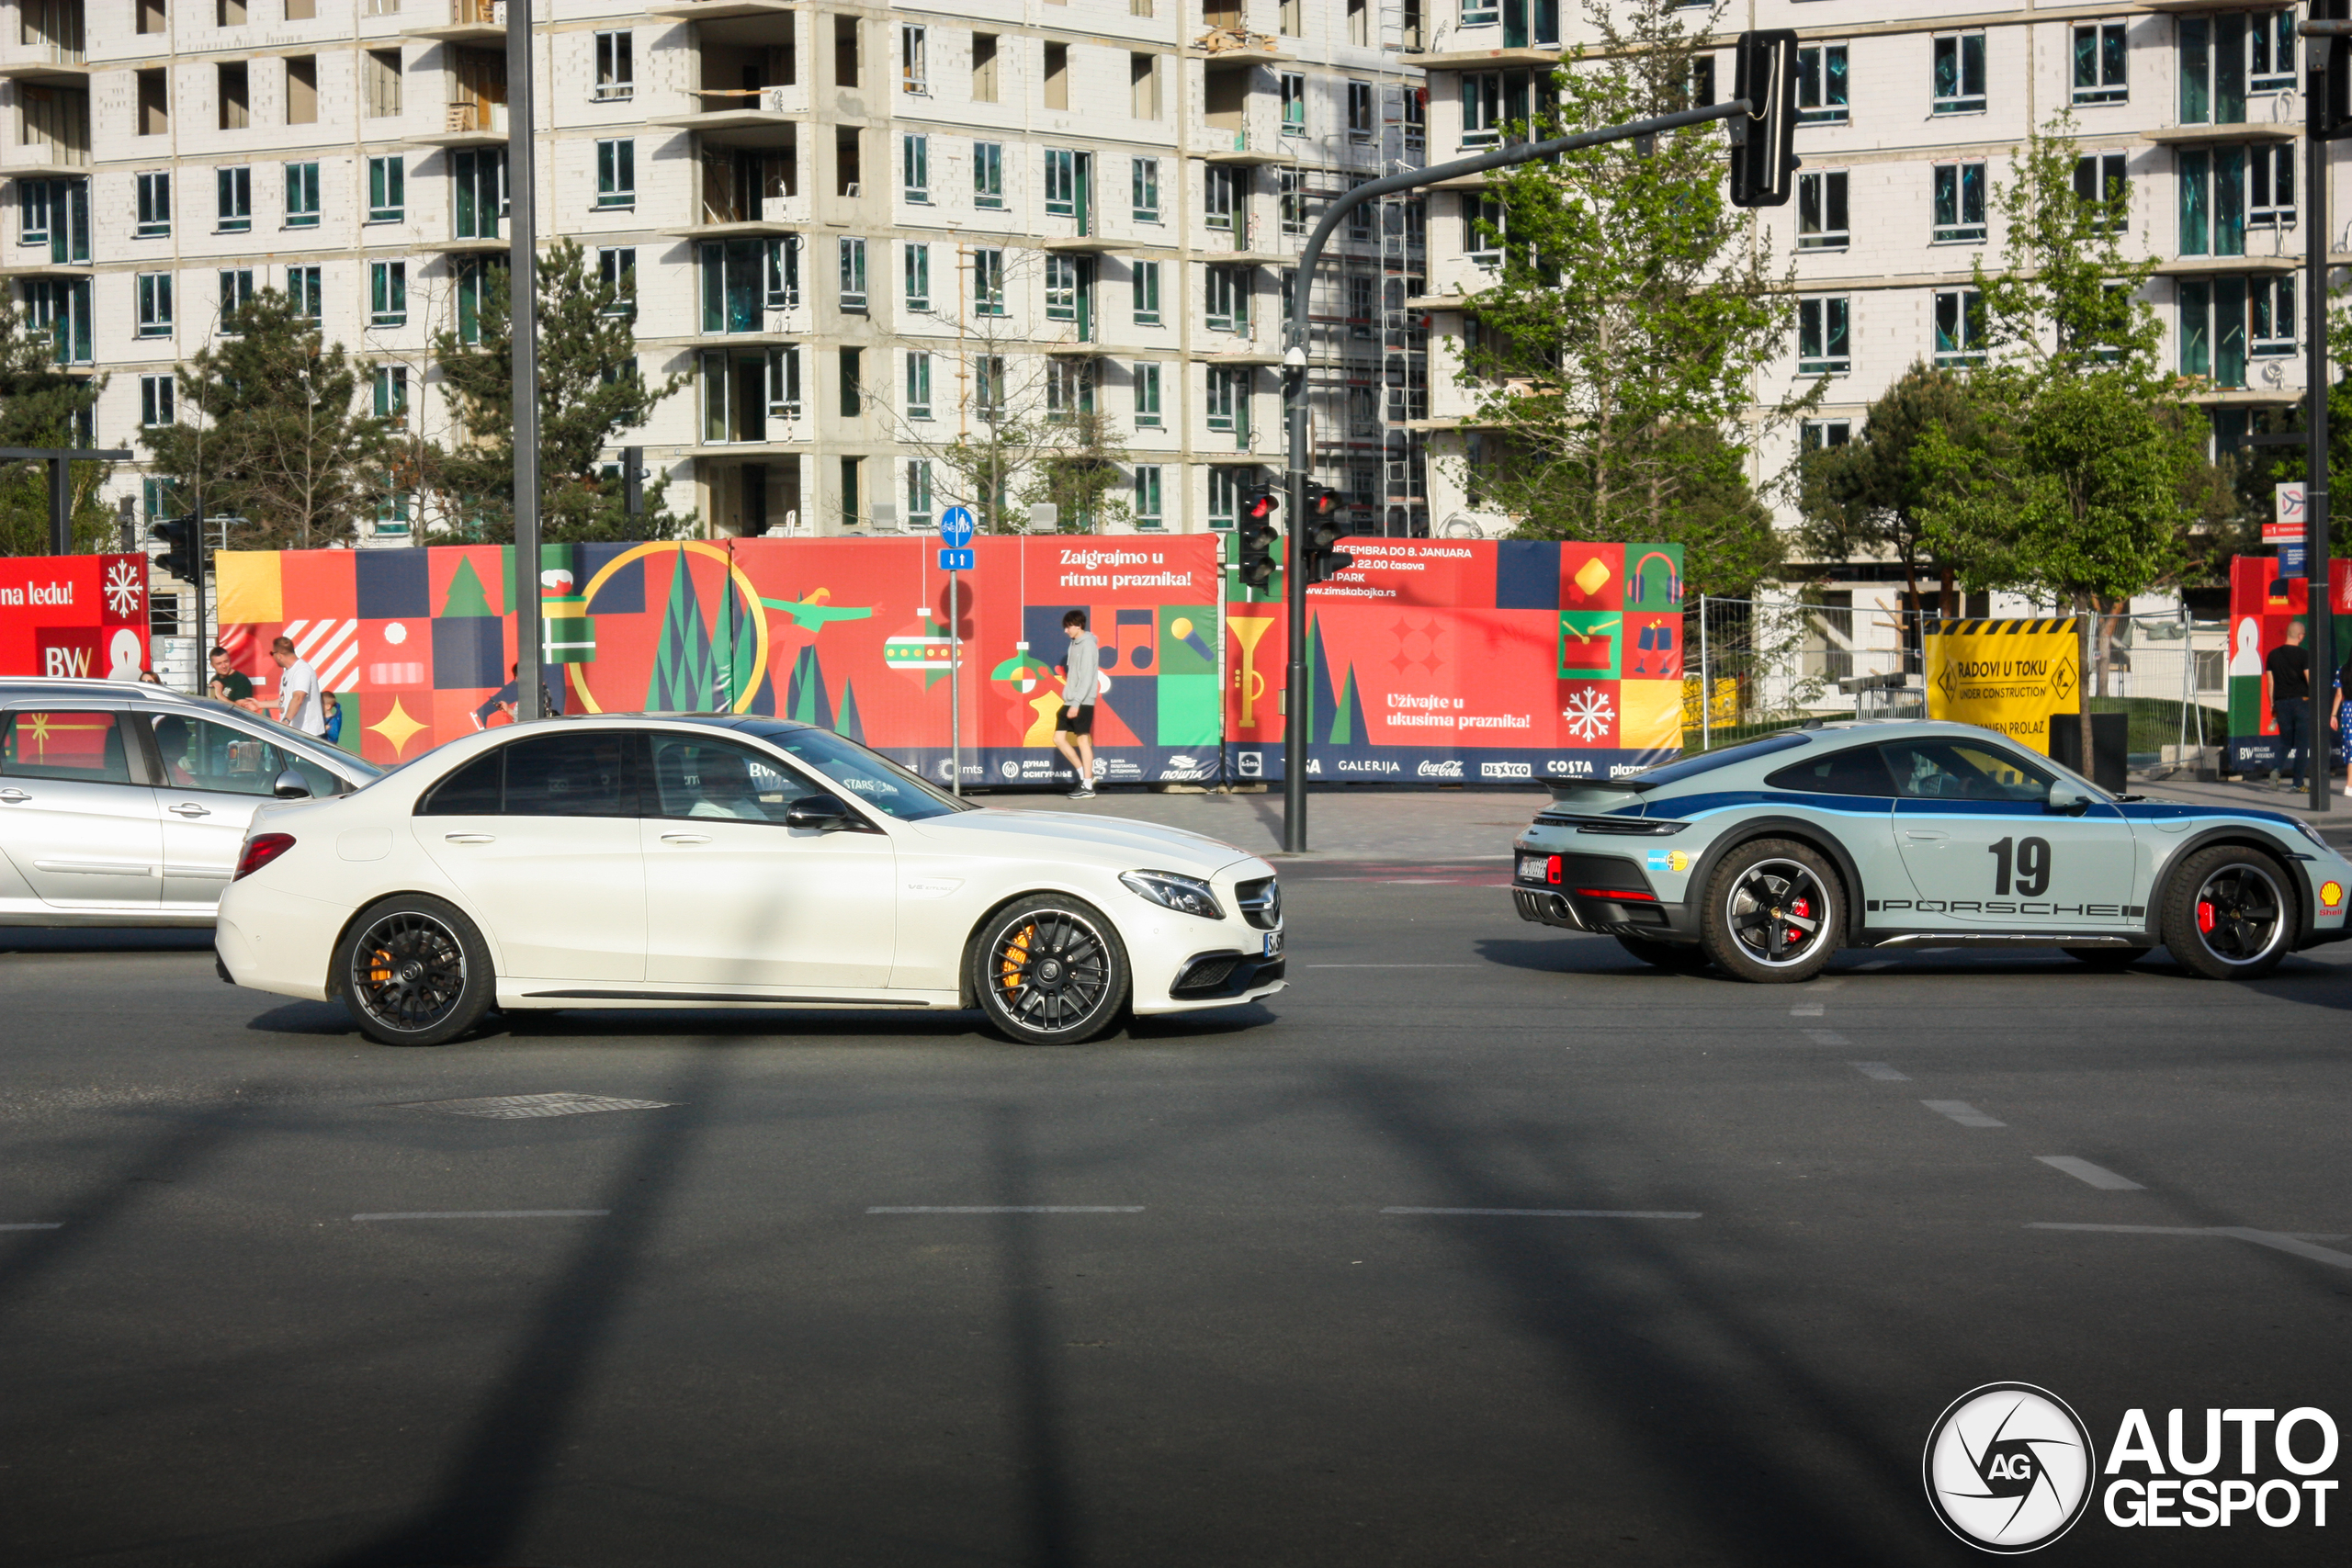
[[1752, 666]]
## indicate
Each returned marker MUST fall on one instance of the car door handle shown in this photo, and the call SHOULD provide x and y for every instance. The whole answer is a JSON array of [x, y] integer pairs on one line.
[[189, 808], [686, 838], [1926, 835], [13, 796], [471, 838]]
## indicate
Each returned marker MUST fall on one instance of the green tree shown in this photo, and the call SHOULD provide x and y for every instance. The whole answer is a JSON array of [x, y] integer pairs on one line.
[[2077, 483], [590, 392], [1870, 496], [1080, 473], [42, 406], [269, 432], [1613, 359]]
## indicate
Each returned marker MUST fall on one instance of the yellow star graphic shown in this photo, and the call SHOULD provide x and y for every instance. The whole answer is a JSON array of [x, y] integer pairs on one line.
[[398, 727]]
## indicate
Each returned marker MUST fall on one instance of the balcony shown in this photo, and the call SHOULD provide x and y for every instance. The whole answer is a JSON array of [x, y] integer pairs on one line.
[[744, 116], [725, 10], [1246, 149], [2245, 131], [465, 124], [49, 62], [470, 21], [1232, 48]]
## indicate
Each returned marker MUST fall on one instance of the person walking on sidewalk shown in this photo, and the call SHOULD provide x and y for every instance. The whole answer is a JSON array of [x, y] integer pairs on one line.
[[2290, 669], [1081, 686]]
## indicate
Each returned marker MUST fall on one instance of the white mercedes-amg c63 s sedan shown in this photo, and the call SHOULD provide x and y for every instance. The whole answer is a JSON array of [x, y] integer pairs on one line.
[[729, 862]]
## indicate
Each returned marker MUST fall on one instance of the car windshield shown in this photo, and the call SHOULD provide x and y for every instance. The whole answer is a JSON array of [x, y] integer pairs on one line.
[[872, 779], [1708, 761]]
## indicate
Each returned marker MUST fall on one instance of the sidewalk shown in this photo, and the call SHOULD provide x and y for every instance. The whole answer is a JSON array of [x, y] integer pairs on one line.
[[2261, 796], [1439, 825]]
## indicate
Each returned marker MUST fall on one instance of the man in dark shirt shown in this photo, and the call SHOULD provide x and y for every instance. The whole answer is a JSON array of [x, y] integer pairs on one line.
[[2290, 669], [231, 684]]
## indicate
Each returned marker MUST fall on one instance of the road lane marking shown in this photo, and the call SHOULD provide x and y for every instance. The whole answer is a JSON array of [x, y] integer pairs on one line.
[[2098, 1176], [1805, 1010], [1823, 985], [1881, 1071], [1965, 1114], [2301, 1247], [490, 1214], [58, 1225], [1827, 1037], [521, 1107], [1396, 967], [1558, 1213], [1010, 1209]]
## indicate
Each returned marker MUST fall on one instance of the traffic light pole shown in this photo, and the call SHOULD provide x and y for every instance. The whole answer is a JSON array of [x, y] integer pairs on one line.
[[1297, 699], [523, 333]]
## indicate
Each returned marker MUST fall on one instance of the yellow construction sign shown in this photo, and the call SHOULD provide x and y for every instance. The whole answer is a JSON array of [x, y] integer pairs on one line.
[[2012, 676]]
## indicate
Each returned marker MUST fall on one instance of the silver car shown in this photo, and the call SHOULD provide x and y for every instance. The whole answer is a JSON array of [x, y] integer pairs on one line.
[[125, 805]]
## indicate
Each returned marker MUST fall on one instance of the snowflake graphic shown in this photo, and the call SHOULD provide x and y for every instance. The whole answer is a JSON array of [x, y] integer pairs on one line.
[[124, 589], [1589, 714]]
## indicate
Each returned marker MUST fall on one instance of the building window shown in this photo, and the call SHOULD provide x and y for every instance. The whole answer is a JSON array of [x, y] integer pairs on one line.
[[1228, 298], [617, 173], [847, 158], [2270, 186], [59, 307], [155, 205], [780, 272], [918, 503], [987, 385], [850, 514], [1069, 389], [852, 388], [1821, 213], [155, 400], [1227, 486], [473, 296], [918, 385], [1061, 182], [1823, 345], [914, 169], [302, 196], [846, 51], [387, 190], [1491, 101], [2098, 177], [784, 381], [987, 283], [1147, 378], [1144, 179], [1143, 85], [1360, 218], [1958, 203], [617, 275], [236, 291], [229, 13], [477, 182], [302, 89], [383, 69], [1148, 509], [984, 81], [1293, 88], [1223, 193], [988, 175], [914, 60], [1821, 85], [615, 64], [917, 259], [2225, 56], [154, 304], [150, 19], [1482, 230], [1360, 122], [388, 294], [853, 259], [304, 286], [2270, 52], [1286, 18], [1820, 435], [1144, 276], [1289, 201], [1479, 13], [1229, 401], [1061, 286], [1058, 75], [153, 116], [1959, 328], [1958, 74], [2099, 56], [2214, 200], [2270, 310]]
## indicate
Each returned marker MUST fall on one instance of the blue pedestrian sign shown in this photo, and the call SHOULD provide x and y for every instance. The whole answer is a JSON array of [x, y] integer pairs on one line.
[[955, 560], [955, 531]]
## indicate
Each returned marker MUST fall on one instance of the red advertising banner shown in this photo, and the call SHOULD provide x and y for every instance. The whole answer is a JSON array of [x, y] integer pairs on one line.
[[1475, 661], [74, 615], [2262, 604], [418, 645]]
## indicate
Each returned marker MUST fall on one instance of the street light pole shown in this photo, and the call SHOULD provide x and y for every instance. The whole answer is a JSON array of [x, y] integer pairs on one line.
[[1297, 700], [522, 332]]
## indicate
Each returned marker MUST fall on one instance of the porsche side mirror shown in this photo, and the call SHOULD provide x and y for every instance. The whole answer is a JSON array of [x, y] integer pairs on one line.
[[291, 785], [824, 813], [2064, 802]]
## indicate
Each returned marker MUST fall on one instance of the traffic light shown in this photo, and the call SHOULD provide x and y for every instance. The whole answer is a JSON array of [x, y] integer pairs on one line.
[[1260, 542], [1763, 141], [633, 481], [182, 549], [2332, 116], [1324, 560]]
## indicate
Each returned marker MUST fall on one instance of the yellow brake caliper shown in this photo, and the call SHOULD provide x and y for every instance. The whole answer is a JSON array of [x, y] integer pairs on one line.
[[1014, 958]]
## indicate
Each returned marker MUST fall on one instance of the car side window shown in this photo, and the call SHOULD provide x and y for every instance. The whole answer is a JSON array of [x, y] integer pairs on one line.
[[86, 746], [696, 777], [1857, 770], [1963, 770], [585, 773], [198, 753]]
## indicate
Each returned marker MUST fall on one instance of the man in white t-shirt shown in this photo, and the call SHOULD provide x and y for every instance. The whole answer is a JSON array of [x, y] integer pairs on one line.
[[300, 705]]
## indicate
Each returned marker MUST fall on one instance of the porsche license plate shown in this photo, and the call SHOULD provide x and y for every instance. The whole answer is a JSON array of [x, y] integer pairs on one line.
[[1273, 944], [1533, 868]]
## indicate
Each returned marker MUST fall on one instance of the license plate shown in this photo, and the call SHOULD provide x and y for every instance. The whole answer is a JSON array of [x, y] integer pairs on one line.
[[1532, 868], [1273, 944]]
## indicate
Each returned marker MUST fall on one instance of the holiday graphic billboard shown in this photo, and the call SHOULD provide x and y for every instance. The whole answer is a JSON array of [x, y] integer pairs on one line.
[[2262, 605], [418, 645], [1481, 661], [74, 615]]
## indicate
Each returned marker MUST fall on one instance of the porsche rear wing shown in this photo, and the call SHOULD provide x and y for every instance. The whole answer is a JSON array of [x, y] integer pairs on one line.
[[1599, 794]]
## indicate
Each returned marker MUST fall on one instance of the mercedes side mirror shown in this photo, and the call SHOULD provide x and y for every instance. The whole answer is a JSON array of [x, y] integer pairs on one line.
[[824, 813], [291, 785], [2064, 802]]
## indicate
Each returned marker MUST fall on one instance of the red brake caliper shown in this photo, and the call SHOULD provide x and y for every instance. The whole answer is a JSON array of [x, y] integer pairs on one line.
[[2204, 916], [1803, 909]]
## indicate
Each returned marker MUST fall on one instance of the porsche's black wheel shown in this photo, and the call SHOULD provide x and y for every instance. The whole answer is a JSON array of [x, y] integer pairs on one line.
[[414, 972], [1049, 970], [2107, 957], [1774, 911], [2229, 913], [1682, 957]]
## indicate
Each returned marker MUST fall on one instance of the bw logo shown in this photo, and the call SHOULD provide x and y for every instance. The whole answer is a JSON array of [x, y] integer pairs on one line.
[[2008, 1468]]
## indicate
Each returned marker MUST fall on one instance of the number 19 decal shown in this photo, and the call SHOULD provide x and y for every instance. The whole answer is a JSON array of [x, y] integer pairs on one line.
[[2028, 858]]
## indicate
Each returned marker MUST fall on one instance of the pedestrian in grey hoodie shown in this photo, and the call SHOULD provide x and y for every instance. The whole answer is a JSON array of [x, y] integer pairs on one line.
[[1081, 686]]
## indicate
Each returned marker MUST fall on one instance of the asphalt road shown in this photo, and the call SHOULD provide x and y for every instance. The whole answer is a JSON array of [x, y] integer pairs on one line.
[[1195, 1334]]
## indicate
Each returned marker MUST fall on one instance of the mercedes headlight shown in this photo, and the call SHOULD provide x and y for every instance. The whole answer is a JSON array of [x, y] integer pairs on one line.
[[1185, 895]]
